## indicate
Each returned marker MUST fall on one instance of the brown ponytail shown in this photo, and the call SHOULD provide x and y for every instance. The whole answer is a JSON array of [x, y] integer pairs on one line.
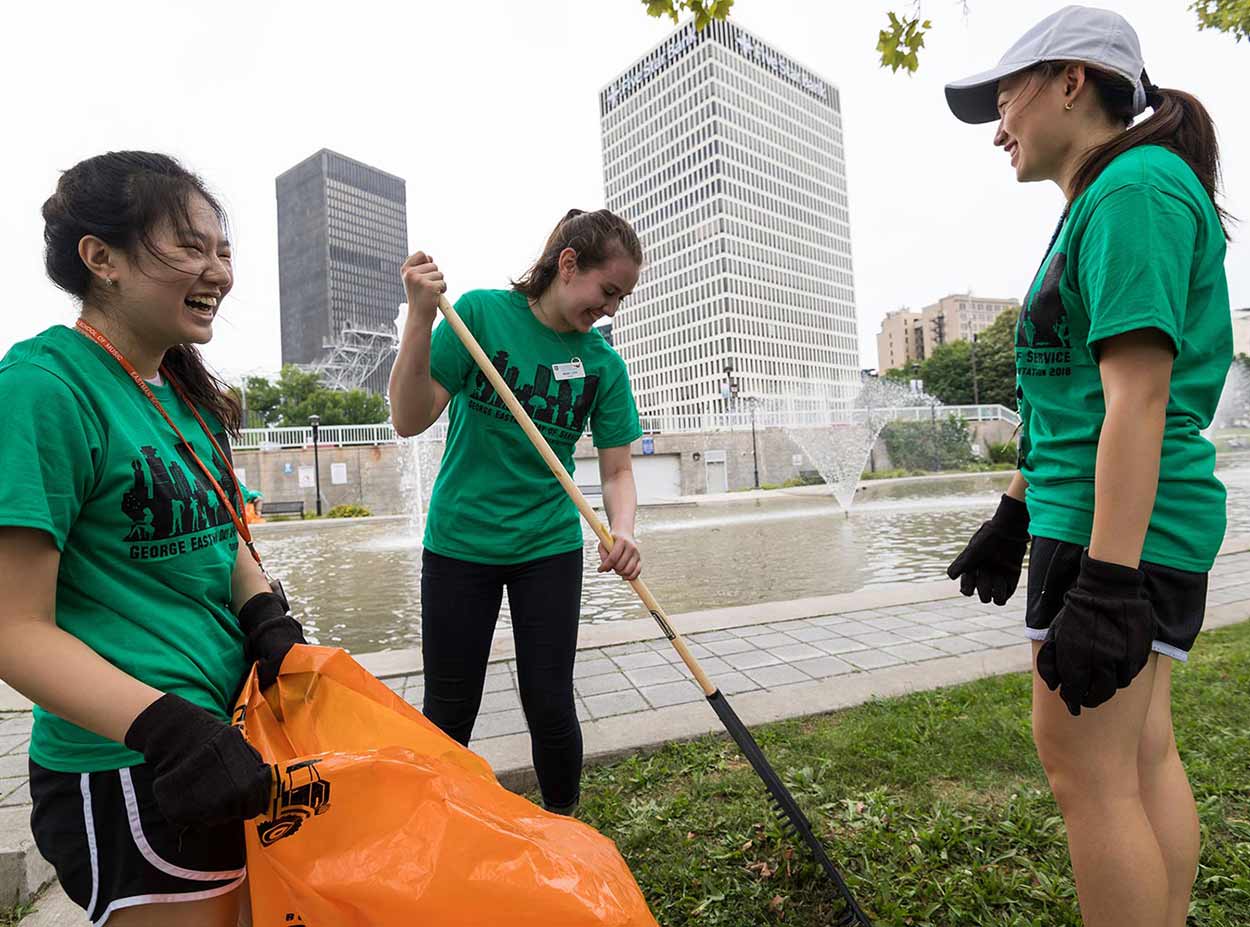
[[597, 237], [1179, 123], [203, 387]]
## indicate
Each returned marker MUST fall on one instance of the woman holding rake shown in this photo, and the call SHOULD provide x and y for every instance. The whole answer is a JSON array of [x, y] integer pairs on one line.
[[497, 520]]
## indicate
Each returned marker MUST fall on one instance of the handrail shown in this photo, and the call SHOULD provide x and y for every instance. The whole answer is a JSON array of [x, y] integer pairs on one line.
[[384, 432]]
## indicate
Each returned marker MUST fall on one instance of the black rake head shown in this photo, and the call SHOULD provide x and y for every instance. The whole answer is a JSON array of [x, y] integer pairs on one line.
[[793, 821]]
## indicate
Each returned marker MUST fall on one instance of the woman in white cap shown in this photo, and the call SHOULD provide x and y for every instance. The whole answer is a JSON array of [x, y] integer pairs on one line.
[[1122, 348]]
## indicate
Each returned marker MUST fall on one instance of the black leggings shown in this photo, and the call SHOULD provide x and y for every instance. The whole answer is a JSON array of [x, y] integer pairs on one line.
[[459, 608]]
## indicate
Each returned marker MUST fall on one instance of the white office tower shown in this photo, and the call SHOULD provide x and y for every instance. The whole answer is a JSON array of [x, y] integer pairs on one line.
[[727, 157]]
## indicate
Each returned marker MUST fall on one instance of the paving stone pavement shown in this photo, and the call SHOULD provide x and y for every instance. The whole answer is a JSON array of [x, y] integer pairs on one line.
[[772, 663], [647, 675]]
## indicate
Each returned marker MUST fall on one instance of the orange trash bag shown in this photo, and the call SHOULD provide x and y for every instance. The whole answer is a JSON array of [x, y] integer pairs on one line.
[[379, 819]]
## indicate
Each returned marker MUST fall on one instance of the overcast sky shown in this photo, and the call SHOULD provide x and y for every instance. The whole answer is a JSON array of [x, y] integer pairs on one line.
[[489, 110]]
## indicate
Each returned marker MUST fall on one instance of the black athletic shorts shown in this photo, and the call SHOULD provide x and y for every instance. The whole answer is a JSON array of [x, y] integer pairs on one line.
[[1179, 597], [112, 848]]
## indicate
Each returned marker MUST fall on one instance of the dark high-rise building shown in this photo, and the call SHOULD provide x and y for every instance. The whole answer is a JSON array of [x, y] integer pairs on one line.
[[342, 237]]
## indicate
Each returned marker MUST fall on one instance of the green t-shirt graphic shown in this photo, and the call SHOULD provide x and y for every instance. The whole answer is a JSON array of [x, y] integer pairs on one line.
[[147, 549], [1142, 248], [495, 500]]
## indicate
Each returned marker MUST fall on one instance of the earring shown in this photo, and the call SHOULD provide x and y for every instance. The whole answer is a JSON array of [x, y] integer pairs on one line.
[[108, 281], [1068, 106]]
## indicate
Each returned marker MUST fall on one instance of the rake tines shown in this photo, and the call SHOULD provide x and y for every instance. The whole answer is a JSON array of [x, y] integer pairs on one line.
[[793, 821], [850, 915]]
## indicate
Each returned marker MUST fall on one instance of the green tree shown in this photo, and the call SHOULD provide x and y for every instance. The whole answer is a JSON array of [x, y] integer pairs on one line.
[[944, 443], [899, 43], [898, 375], [947, 372], [996, 361], [297, 394]]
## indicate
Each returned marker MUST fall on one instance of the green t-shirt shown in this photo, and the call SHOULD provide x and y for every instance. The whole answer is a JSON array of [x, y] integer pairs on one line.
[[495, 500], [147, 550], [1141, 248]]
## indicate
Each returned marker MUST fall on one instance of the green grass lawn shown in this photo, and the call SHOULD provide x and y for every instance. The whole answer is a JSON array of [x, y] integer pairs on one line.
[[934, 805]]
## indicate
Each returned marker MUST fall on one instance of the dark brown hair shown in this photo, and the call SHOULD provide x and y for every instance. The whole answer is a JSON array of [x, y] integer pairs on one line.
[[597, 237], [120, 198], [1179, 123]]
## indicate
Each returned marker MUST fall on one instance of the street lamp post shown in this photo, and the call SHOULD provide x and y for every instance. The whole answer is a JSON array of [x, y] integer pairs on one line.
[[731, 405], [976, 393], [315, 421], [755, 454]]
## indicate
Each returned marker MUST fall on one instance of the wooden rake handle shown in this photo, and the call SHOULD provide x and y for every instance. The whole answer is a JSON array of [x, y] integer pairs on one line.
[[570, 487]]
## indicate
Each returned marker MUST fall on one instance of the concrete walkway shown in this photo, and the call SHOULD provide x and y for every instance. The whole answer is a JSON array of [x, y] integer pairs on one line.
[[776, 660]]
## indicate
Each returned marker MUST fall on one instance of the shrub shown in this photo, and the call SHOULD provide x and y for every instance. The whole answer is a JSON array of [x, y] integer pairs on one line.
[[348, 511], [920, 445], [1003, 453]]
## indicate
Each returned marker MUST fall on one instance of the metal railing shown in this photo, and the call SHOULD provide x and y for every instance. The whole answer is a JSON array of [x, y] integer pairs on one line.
[[981, 413], [819, 418], [272, 439]]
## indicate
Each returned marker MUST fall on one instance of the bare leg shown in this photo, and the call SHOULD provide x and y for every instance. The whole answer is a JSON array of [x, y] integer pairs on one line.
[[1091, 762], [245, 904], [1168, 799]]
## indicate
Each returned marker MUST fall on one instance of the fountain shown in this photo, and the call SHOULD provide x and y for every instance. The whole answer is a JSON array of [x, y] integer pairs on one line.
[[418, 465], [838, 435], [1233, 412]]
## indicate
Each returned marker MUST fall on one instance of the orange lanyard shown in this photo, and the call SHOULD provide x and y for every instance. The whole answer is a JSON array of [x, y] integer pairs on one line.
[[240, 525]]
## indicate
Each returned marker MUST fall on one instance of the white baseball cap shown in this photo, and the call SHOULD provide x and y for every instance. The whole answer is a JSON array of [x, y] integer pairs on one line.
[[1076, 33]]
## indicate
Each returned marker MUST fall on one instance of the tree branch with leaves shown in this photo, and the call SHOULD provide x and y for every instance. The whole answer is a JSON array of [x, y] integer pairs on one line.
[[704, 11], [899, 44]]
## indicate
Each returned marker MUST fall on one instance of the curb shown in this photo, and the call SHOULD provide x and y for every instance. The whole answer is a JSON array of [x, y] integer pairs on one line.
[[23, 872]]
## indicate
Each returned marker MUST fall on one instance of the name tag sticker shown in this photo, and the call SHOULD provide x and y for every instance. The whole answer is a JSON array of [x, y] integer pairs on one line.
[[569, 371]]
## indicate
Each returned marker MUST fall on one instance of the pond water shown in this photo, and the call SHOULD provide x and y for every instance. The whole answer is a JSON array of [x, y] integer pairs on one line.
[[358, 585]]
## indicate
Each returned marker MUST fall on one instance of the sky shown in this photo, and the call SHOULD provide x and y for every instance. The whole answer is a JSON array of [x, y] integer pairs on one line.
[[489, 110]]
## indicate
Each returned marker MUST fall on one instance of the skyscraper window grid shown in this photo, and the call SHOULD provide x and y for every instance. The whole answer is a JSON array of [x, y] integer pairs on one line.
[[342, 237], [728, 159]]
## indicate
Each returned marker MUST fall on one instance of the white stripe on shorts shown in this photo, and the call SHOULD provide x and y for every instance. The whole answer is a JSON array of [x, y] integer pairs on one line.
[[88, 819], [141, 841]]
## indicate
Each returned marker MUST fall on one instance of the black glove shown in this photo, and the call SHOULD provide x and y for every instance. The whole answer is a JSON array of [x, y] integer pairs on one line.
[[205, 772], [270, 632], [990, 564], [1101, 638]]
